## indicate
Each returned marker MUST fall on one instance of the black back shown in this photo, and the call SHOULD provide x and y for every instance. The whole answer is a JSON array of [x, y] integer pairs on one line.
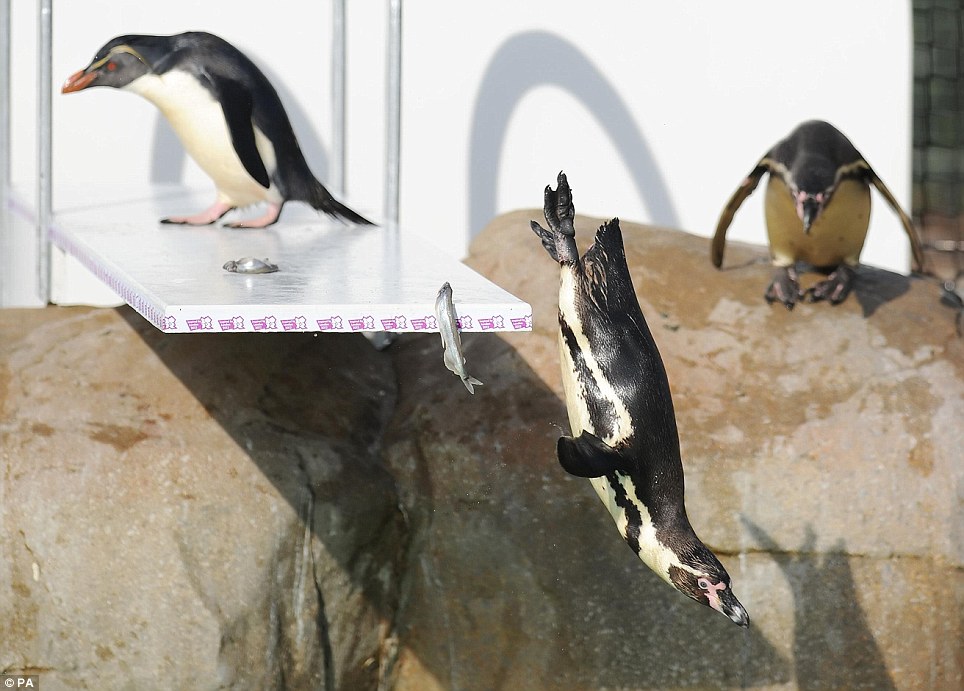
[[245, 95], [626, 353], [813, 153]]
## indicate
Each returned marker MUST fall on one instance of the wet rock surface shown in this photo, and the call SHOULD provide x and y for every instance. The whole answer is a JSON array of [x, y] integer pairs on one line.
[[292, 511]]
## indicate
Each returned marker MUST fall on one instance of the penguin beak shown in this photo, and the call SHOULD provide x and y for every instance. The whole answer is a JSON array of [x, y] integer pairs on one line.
[[732, 608], [78, 81], [809, 210]]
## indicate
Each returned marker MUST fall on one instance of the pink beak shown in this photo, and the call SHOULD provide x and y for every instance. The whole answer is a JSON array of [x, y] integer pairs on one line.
[[77, 81]]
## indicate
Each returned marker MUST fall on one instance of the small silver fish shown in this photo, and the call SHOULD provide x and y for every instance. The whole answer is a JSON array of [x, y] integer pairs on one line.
[[448, 328], [250, 265]]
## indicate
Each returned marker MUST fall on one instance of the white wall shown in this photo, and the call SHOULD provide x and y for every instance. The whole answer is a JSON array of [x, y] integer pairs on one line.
[[655, 110]]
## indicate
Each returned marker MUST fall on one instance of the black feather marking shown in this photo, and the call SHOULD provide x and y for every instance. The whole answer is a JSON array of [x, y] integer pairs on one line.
[[237, 106], [634, 519], [602, 412]]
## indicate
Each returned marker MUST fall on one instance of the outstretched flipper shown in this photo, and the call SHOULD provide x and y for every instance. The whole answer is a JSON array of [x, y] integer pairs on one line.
[[560, 239], [915, 244], [588, 456], [726, 217]]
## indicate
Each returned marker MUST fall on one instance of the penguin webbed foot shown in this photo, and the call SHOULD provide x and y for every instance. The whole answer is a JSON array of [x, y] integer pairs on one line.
[[547, 238], [204, 218], [836, 288], [785, 288], [558, 206], [270, 217], [560, 239]]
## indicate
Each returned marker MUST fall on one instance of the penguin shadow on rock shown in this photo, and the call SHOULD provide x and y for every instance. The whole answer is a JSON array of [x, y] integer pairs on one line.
[[309, 413], [519, 565], [833, 645], [312, 414]]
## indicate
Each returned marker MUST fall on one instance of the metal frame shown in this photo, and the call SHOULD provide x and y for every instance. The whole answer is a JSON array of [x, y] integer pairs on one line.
[[5, 149], [45, 13], [393, 113], [338, 173], [44, 183]]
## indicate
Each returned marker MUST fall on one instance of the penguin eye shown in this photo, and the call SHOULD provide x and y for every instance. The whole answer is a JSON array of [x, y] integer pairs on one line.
[[111, 66], [703, 583]]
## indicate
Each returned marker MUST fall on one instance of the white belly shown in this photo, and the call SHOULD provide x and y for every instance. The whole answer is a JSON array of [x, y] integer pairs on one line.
[[579, 419], [653, 553], [198, 121]]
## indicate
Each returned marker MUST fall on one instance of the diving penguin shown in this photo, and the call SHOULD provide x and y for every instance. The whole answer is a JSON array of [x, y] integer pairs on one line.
[[624, 436], [227, 115], [817, 211]]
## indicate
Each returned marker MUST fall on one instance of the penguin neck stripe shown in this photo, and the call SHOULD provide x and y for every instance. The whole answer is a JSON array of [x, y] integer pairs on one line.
[[635, 524]]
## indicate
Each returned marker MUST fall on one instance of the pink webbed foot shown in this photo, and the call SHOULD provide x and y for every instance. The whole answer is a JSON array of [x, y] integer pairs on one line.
[[837, 286], [206, 217], [785, 288], [270, 216]]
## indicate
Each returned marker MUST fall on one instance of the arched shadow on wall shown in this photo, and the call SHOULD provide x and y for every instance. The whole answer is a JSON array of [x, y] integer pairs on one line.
[[168, 156], [538, 58], [831, 636]]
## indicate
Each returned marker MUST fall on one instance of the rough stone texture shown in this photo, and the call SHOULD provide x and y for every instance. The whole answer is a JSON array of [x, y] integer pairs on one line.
[[185, 513], [823, 450], [289, 511]]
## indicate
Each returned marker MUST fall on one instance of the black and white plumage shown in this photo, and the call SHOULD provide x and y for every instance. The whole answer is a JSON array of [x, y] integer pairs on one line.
[[817, 211], [624, 436], [227, 115]]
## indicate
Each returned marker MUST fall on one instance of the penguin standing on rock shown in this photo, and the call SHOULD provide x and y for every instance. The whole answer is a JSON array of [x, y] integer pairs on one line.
[[624, 436], [817, 212], [227, 115]]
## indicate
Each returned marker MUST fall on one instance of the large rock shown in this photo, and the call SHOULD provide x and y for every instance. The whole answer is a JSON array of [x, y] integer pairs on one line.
[[193, 513], [823, 458], [291, 511]]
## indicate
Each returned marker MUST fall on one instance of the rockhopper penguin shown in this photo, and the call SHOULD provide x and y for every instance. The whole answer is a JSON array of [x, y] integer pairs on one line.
[[817, 211], [227, 115], [624, 436]]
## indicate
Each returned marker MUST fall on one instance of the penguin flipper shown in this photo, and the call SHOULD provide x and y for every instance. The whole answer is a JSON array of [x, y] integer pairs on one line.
[[734, 202], [240, 125], [915, 244], [588, 456]]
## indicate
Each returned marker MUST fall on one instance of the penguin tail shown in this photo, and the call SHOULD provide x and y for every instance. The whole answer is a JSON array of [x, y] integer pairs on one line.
[[321, 199]]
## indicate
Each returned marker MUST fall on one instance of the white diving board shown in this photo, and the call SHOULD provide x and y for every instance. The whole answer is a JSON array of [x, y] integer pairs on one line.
[[332, 276]]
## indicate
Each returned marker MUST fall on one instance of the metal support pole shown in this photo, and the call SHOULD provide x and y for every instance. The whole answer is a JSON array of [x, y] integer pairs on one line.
[[44, 145], [393, 108], [337, 175], [5, 38], [5, 149]]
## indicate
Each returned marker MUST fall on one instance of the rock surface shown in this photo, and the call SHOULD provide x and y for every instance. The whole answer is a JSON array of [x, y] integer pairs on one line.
[[289, 511], [187, 513]]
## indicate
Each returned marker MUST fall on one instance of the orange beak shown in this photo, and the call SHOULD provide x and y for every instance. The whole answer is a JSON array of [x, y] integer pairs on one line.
[[77, 81]]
